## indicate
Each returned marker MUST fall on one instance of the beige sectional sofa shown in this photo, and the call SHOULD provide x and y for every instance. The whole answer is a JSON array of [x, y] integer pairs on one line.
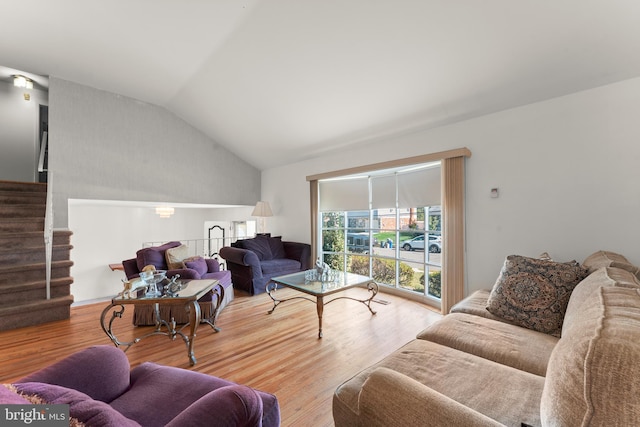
[[475, 368]]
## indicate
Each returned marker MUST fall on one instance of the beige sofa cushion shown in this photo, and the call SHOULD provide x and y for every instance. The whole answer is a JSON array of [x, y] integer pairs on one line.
[[476, 304], [428, 407], [609, 259], [468, 379], [533, 293], [501, 342], [592, 377], [605, 276]]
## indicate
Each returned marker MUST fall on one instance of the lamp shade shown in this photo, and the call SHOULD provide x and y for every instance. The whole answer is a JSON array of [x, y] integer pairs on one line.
[[262, 209]]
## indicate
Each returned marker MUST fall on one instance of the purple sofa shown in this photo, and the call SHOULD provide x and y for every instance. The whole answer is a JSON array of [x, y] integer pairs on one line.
[[253, 262], [101, 390], [197, 268]]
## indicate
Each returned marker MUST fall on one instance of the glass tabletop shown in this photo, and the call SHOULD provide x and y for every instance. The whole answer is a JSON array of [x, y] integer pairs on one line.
[[342, 281], [190, 289]]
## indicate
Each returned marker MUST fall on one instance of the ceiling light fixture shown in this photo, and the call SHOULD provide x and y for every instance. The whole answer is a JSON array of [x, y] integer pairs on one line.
[[165, 211], [22, 81]]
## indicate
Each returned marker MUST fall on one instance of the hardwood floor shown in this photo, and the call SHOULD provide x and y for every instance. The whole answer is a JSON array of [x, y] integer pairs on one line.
[[278, 353]]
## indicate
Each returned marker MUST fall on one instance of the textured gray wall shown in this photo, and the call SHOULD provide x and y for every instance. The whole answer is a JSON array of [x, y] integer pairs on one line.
[[109, 147]]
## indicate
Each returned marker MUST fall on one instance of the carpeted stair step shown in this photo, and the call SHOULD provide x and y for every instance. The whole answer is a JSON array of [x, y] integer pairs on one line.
[[31, 255], [15, 225], [35, 312], [22, 198], [33, 239], [22, 211], [23, 273], [18, 293], [33, 272]]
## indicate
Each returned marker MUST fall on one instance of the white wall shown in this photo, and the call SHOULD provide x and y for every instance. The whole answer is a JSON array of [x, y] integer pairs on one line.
[[19, 142], [105, 234], [567, 170]]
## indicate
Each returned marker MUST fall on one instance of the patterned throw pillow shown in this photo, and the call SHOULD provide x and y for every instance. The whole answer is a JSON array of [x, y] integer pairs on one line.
[[534, 293]]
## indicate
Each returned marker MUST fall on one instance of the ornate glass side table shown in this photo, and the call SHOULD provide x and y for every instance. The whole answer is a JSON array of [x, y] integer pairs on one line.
[[188, 296]]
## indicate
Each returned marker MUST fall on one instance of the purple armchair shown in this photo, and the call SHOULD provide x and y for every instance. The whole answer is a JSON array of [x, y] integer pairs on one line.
[[104, 391], [191, 268], [253, 262]]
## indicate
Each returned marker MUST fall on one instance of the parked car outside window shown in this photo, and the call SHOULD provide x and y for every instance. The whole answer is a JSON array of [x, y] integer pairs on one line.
[[435, 244]]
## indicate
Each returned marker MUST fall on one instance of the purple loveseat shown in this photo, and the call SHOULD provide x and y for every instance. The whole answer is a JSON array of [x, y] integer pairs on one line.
[[101, 390], [253, 262], [194, 268]]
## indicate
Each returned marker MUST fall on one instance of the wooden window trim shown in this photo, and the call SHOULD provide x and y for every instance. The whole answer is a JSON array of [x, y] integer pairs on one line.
[[424, 158]]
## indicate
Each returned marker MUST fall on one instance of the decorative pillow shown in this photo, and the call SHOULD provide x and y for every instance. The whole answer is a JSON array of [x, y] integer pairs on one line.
[[29, 399], [81, 407], [609, 259], [545, 256], [198, 264], [10, 396], [277, 248], [175, 256], [534, 293], [213, 265], [258, 245]]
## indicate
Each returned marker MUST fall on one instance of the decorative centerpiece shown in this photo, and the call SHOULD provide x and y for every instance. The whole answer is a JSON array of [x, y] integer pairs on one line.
[[173, 287], [152, 277], [130, 287], [322, 273]]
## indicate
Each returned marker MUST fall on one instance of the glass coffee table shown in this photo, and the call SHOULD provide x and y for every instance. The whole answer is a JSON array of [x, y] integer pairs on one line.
[[320, 289], [188, 296]]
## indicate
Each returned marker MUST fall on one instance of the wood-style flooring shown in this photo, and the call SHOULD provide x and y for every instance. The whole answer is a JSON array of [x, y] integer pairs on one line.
[[278, 353]]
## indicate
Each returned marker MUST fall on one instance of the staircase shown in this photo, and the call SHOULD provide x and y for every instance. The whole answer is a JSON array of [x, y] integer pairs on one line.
[[23, 295]]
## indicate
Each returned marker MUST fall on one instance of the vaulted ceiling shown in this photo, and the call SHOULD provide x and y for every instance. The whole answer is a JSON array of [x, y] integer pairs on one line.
[[277, 81]]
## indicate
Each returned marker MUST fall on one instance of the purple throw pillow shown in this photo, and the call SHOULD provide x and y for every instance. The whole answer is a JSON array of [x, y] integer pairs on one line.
[[198, 264], [277, 247], [213, 266], [260, 246]]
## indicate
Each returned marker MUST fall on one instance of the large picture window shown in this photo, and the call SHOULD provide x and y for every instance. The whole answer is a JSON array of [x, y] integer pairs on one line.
[[400, 222], [385, 225]]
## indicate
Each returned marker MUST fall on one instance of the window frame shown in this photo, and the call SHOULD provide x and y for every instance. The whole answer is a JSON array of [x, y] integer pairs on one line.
[[453, 213]]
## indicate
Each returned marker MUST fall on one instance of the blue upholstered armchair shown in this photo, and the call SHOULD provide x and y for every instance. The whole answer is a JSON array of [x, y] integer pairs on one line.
[[253, 262]]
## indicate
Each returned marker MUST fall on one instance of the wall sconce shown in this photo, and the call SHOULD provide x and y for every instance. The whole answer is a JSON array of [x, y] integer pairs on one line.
[[262, 211], [22, 81], [165, 211]]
